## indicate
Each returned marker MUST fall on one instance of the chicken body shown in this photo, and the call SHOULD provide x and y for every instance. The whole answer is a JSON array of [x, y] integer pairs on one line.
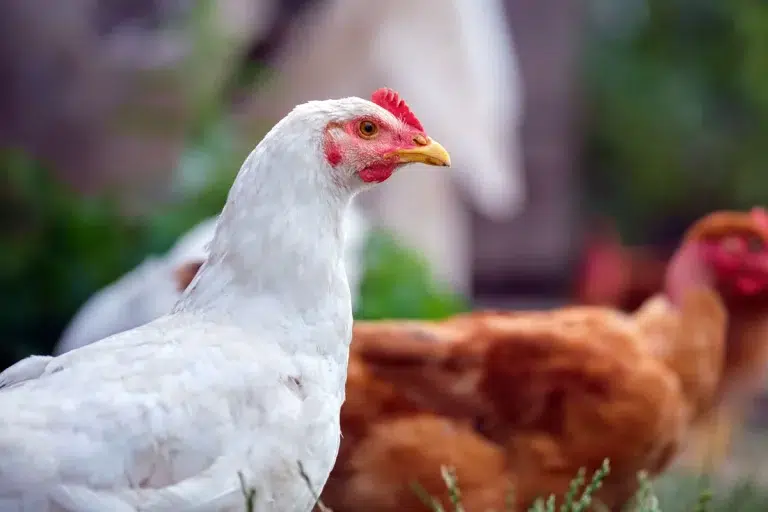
[[553, 391], [246, 374], [166, 427], [743, 377], [400, 459], [620, 276]]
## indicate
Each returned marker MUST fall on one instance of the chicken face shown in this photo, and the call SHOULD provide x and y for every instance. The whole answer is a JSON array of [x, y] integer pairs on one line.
[[740, 263], [735, 247], [373, 145]]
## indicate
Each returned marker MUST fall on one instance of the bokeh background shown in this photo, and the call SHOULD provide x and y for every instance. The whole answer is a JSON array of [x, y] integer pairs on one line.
[[123, 122]]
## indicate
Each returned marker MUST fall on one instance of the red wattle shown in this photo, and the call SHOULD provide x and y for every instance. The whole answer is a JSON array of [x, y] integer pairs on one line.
[[377, 173]]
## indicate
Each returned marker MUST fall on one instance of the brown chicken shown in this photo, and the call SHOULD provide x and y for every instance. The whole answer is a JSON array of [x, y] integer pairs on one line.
[[383, 424], [746, 357], [526, 399], [623, 277]]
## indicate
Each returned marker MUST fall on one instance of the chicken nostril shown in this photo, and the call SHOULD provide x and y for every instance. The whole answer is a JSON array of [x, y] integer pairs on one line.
[[420, 140]]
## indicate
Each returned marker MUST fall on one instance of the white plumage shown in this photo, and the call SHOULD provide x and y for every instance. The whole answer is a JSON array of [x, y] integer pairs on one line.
[[150, 290], [143, 294], [246, 374]]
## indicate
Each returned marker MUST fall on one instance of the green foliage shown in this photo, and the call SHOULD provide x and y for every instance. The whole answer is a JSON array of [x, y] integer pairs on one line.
[[454, 493], [578, 498], [744, 497], [678, 107], [685, 493], [398, 284], [645, 499], [679, 493], [249, 494], [58, 248], [573, 500]]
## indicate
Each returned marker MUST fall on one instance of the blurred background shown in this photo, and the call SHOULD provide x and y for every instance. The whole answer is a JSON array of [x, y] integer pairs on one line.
[[576, 126]]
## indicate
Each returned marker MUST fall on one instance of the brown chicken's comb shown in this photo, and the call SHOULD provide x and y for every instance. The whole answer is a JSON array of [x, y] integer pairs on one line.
[[389, 100], [717, 224]]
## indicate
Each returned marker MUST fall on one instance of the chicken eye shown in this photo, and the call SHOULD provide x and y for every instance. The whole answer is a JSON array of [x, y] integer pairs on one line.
[[368, 129]]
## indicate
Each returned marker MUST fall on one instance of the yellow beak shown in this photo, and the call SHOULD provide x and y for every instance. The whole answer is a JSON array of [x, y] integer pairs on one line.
[[427, 152]]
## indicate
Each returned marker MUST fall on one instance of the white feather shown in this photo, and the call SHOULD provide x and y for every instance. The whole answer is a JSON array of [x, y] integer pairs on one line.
[[150, 290], [246, 374]]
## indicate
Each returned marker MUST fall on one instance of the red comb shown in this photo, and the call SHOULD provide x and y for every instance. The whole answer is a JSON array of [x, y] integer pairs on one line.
[[388, 99], [760, 216]]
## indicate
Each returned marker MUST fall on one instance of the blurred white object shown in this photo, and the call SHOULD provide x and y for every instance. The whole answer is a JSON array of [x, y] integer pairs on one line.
[[455, 62], [150, 290]]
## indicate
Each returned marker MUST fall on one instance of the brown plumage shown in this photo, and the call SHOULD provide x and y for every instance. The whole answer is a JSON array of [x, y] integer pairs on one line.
[[553, 391], [625, 277], [746, 355], [378, 475], [547, 392]]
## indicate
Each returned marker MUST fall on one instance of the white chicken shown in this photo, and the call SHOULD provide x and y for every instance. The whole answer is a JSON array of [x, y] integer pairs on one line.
[[150, 290], [245, 377]]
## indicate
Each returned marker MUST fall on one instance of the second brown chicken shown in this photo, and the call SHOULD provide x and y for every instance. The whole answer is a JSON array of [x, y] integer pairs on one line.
[[526, 399]]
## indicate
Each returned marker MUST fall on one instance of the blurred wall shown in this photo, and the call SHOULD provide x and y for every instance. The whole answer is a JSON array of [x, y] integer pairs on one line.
[[531, 254], [107, 90]]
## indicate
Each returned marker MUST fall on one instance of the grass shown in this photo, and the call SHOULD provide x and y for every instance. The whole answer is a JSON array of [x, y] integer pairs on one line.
[[572, 500], [579, 496], [683, 494]]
